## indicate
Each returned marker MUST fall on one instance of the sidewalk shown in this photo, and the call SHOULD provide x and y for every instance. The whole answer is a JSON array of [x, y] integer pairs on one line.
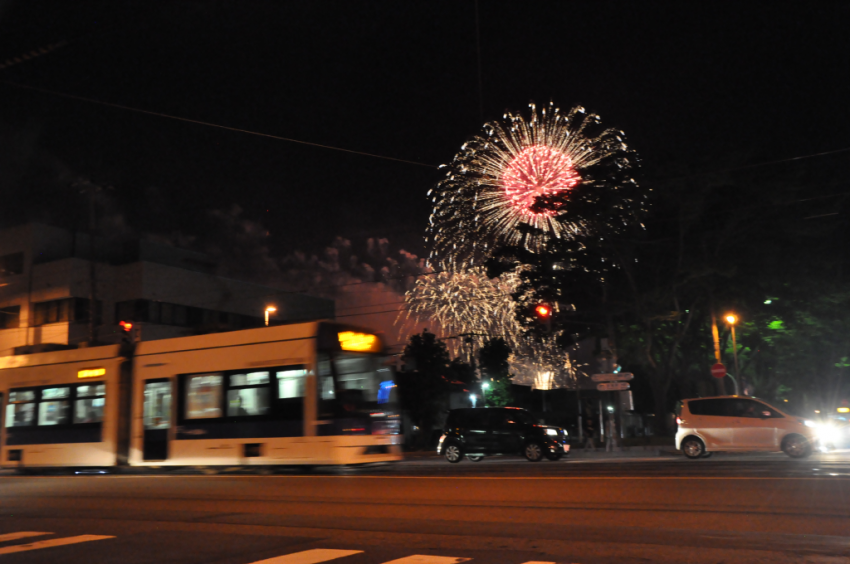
[[581, 453]]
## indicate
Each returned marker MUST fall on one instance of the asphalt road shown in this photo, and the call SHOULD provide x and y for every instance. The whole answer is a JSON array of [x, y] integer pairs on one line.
[[744, 508]]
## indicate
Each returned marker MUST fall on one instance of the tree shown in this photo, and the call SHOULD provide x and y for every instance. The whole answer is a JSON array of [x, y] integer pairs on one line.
[[423, 390], [495, 368]]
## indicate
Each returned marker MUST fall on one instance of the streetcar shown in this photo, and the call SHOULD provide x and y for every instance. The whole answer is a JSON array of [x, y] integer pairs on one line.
[[317, 393]]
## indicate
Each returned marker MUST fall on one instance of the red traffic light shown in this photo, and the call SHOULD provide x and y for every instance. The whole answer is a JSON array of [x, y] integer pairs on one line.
[[126, 326], [543, 310]]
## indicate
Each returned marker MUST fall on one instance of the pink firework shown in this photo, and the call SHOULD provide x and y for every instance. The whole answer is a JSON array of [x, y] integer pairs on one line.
[[537, 171], [514, 185]]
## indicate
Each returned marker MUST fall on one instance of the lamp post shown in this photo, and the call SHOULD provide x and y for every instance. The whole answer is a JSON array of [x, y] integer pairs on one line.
[[732, 319], [269, 309]]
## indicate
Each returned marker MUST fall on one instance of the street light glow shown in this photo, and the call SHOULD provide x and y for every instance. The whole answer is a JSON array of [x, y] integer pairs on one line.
[[269, 309], [731, 319]]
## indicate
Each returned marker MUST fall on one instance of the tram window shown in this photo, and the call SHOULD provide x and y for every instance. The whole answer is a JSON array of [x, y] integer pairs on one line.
[[55, 393], [290, 383], [247, 401], [53, 408], [21, 397], [157, 405], [325, 380], [88, 407], [250, 379], [203, 396], [20, 412], [356, 376]]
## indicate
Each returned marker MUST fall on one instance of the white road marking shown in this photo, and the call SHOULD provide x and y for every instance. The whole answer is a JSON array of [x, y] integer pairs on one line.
[[420, 559], [309, 556], [21, 535], [53, 542]]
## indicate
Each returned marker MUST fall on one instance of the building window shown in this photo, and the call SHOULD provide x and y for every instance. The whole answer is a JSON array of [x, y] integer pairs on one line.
[[164, 313], [10, 317], [67, 309], [54, 311], [12, 264]]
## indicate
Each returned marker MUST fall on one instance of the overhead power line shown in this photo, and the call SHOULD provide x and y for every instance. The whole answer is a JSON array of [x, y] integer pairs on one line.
[[210, 124]]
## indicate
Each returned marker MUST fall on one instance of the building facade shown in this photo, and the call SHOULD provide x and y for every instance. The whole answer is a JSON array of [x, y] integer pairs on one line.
[[49, 275]]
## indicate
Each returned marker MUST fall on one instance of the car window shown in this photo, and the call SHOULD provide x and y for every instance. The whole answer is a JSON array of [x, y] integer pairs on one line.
[[747, 408], [501, 419], [714, 407], [768, 412], [477, 418], [522, 416]]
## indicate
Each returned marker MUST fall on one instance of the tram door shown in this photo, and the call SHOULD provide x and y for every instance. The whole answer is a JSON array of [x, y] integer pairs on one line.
[[157, 419]]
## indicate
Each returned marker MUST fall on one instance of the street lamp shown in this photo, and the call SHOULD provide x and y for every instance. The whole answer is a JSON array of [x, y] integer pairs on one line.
[[732, 319], [269, 309]]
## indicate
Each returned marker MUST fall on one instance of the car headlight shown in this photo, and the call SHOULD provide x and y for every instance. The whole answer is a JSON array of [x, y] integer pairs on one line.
[[553, 432], [828, 434], [810, 423]]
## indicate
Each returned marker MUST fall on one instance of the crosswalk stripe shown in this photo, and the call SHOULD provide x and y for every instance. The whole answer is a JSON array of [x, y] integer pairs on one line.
[[50, 543], [426, 559], [313, 556], [21, 535]]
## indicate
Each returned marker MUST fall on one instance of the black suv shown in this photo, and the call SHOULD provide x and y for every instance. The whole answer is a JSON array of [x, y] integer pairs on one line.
[[486, 431]]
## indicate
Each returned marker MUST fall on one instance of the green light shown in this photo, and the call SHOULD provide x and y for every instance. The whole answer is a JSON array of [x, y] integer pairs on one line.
[[768, 301]]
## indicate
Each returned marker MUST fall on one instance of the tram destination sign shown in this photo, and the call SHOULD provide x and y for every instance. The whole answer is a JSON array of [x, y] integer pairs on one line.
[[612, 386], [620, 377]]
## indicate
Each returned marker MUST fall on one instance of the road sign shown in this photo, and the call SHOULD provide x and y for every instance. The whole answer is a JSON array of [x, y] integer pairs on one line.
[[718, 370], [620, 377], [612, 386]]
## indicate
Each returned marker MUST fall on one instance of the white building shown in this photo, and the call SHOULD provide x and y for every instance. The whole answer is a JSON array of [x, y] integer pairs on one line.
[[46, 281]]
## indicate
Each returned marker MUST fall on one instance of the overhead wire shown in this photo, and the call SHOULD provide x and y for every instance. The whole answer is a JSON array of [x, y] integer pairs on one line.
[[210, 124]]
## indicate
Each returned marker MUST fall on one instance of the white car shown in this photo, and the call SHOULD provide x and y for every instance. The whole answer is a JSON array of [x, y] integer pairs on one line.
[[736, 423]]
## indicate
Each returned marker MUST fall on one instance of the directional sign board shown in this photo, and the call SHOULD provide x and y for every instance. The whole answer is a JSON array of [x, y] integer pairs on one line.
[[621, 377], [612, 386]]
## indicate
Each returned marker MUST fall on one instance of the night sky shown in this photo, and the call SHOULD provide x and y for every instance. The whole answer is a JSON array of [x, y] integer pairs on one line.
[[697, 86]]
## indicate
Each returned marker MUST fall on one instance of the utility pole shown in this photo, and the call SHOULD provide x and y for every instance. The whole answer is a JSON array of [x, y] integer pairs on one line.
[[91, 188], [721, 388]]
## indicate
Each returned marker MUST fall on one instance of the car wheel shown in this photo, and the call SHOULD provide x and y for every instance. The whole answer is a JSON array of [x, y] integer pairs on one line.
[[533, 452], [554, 456], [692, 447], [796, 446], [706, 455], [474, 458], [453, 453]]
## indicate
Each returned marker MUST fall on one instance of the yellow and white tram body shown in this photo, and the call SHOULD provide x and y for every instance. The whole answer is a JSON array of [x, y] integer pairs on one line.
[[63, 408], [303, 394]]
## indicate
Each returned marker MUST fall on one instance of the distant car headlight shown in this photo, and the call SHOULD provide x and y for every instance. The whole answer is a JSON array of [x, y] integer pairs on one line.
[[552, 432]]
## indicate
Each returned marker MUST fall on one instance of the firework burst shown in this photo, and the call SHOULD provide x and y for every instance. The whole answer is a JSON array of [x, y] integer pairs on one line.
[[465, 302], [523, 182]]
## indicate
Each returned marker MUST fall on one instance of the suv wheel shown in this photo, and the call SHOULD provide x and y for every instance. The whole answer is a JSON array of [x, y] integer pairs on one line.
[[796, 446], [453, 453], [692, 447], [533, 452], [474, 458]]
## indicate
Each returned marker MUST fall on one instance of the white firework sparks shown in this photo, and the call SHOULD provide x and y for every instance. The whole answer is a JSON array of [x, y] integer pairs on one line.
[[466, 303]]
